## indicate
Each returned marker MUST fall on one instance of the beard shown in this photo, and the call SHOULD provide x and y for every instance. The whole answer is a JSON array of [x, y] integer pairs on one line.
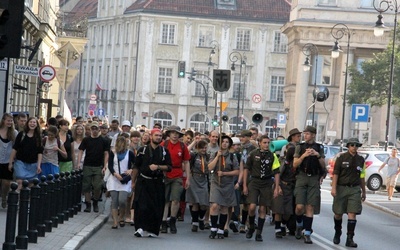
[[156, 142]]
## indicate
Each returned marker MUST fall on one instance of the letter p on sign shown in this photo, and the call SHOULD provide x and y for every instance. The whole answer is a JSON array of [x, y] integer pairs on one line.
[[359, 112]]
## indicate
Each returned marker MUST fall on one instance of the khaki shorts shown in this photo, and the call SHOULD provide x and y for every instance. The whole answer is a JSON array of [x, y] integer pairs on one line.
[[347, 200], [173, 189], [307, 190], [92, 176], [391, 181], [260, 192]]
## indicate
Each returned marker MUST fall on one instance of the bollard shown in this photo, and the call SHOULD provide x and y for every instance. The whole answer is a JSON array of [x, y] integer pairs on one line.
[[33, 211], [47, 217], [74, 179], [79, 190], [70, 209], [41, 227], [64, 196], [22, 238], [52, 200], [11, 221], [58, 199]]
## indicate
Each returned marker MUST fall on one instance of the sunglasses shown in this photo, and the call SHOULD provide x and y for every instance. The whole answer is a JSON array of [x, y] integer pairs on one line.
[[354, 145]]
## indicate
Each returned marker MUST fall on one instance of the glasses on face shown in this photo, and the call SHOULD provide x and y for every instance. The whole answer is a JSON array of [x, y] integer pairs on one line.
[[354, 145]]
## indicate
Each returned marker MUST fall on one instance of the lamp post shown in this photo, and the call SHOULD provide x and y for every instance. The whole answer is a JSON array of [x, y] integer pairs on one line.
[[193, 73], [214, 44], [383, 6], [338, 31], [234, 57], [310, 49]]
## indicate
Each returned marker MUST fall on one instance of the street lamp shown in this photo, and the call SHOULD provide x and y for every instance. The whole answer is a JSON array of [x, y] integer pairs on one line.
[[383, 6], [234, 57], [310, 49], [192, 76], [214, 44], [338, 31]]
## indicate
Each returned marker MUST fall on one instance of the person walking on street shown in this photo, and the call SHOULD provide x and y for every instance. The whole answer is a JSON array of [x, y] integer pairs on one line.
[[310, 166], [180, 157], [96, 150], [119, 184], [151, 162], [78, 133], [262, 167], [223, 166], [348, 190], [392, 173], [7, 139]]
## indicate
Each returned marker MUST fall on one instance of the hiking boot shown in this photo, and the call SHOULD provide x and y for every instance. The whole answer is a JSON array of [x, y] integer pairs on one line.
[[172, 226], [164, 228], [283, 231], [201, 224], [95, 206], [220, 234], [278, 234], [195, 228], [336, 238], [233, 226], [226, 233], [307, 239], [259, 237], [350, 242], [213, 234], [88, 208], [299, 232], [250, 233], [207, 226]]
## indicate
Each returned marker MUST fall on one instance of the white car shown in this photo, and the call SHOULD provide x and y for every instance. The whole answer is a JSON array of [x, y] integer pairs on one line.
[[373, 160]]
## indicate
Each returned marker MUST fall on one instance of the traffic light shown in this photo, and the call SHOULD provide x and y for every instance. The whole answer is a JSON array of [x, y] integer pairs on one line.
[[181, 69], [214, 121], [11, 17]]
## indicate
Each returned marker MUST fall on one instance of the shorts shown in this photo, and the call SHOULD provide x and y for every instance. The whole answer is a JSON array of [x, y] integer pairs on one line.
[[391, 180], [6, 174], [260, 192], [92, 176], [347, 200], [65, 166], [173, 189], [283, 204], [307, 190], [48, 168], [25, 171]]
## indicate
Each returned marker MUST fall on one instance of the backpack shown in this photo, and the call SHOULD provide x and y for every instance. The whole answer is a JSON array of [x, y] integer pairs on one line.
[[44, 140]]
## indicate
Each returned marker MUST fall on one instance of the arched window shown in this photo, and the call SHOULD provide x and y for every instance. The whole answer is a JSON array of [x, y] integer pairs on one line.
[[242, 124], [198, 122], [271, 128], [164, 118]]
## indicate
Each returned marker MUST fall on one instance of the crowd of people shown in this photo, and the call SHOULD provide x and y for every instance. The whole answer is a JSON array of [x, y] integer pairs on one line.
[[226, 182]]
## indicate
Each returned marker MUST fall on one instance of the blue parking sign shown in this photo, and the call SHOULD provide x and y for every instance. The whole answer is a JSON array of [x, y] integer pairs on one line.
[[281, 119], [359, 112]]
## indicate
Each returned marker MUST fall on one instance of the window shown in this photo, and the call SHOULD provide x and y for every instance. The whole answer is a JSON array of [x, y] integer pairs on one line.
[[99, 74], [102, 35], [118, 33], [242, 124], [205, 35], [236, 81], [116, 75], [128, 26], [197, 122], [109, 34], [277, 84], [367, 3], [125, 77], [271, 128], [324, 70], [168, 33], [108, 75], [164, 80], [280, 42], [91, 78], [243, 39], [94, 35], [327, 2], [164, 118], [199, 90]]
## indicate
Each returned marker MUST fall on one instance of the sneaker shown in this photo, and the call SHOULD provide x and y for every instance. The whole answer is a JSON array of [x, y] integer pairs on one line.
[[201, 224], [259, 237], [278, 234], [220, 234], [213, 234], [299, 232], [207, 226], [283, 231], [139, 233], [242, 229], [250, 233], [164, 228], [233, 225]]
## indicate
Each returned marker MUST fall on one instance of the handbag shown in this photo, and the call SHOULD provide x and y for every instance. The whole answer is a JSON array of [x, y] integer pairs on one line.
[[125, 177]]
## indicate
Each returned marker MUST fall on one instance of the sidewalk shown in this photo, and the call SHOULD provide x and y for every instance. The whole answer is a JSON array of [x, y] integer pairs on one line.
[[77, 230], [70, 235]]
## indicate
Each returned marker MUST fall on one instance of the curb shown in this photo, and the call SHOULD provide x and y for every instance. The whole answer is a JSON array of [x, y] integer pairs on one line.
[[80, 238], [382, 208]]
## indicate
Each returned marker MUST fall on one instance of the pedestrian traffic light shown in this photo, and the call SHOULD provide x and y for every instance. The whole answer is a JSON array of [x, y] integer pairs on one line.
[[11, 17], [214, 121], [181, 69]]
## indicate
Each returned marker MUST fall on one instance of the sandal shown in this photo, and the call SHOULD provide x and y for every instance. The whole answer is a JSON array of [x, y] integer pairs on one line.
[[122, 223], [114, 227]]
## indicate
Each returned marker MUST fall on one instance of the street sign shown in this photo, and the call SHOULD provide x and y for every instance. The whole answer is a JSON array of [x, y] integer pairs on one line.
[[3, 64], [359, 112], [281, 120], [92, 107], [47, 73], [26, 70], [91, 112], [256, 98], [221, 80], [223, 105], [100, 112], [93, 97]]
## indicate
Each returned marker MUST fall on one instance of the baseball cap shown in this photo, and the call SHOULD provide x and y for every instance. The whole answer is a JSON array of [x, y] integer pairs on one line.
[[126, 123]]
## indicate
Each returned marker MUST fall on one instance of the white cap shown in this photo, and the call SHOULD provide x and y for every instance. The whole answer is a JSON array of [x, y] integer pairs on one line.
[[235, 140], [126, 123]]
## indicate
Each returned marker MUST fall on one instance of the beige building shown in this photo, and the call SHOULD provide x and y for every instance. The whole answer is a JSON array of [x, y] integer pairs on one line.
[[130, 65], [311, 21]]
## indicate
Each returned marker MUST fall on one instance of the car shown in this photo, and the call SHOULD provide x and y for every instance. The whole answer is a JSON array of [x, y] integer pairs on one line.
[[373, 160], [330, 152], [47, 72]]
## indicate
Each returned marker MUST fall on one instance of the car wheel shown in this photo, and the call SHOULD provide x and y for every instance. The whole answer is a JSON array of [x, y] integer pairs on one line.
[[374, 182]]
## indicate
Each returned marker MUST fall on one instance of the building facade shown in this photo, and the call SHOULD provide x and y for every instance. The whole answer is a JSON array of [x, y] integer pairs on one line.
[[130, 64]]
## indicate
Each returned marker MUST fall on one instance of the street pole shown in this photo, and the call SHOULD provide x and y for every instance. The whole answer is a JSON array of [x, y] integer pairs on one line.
[[337, 32], [383, 6], [234, 57], [308, 50]]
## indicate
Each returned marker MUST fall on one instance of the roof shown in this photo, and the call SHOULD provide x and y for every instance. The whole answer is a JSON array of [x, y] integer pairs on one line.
[[247, 10]]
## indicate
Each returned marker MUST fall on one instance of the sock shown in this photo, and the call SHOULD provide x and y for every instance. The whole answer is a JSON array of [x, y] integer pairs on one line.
[[245, 213], [214, 221], [351, 226], [260, 224], [201, 214], [338, 224], [277, 226], [222, 221], [299, 220], [251, 221], [195, 216], [234, 217], [307, 224]]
